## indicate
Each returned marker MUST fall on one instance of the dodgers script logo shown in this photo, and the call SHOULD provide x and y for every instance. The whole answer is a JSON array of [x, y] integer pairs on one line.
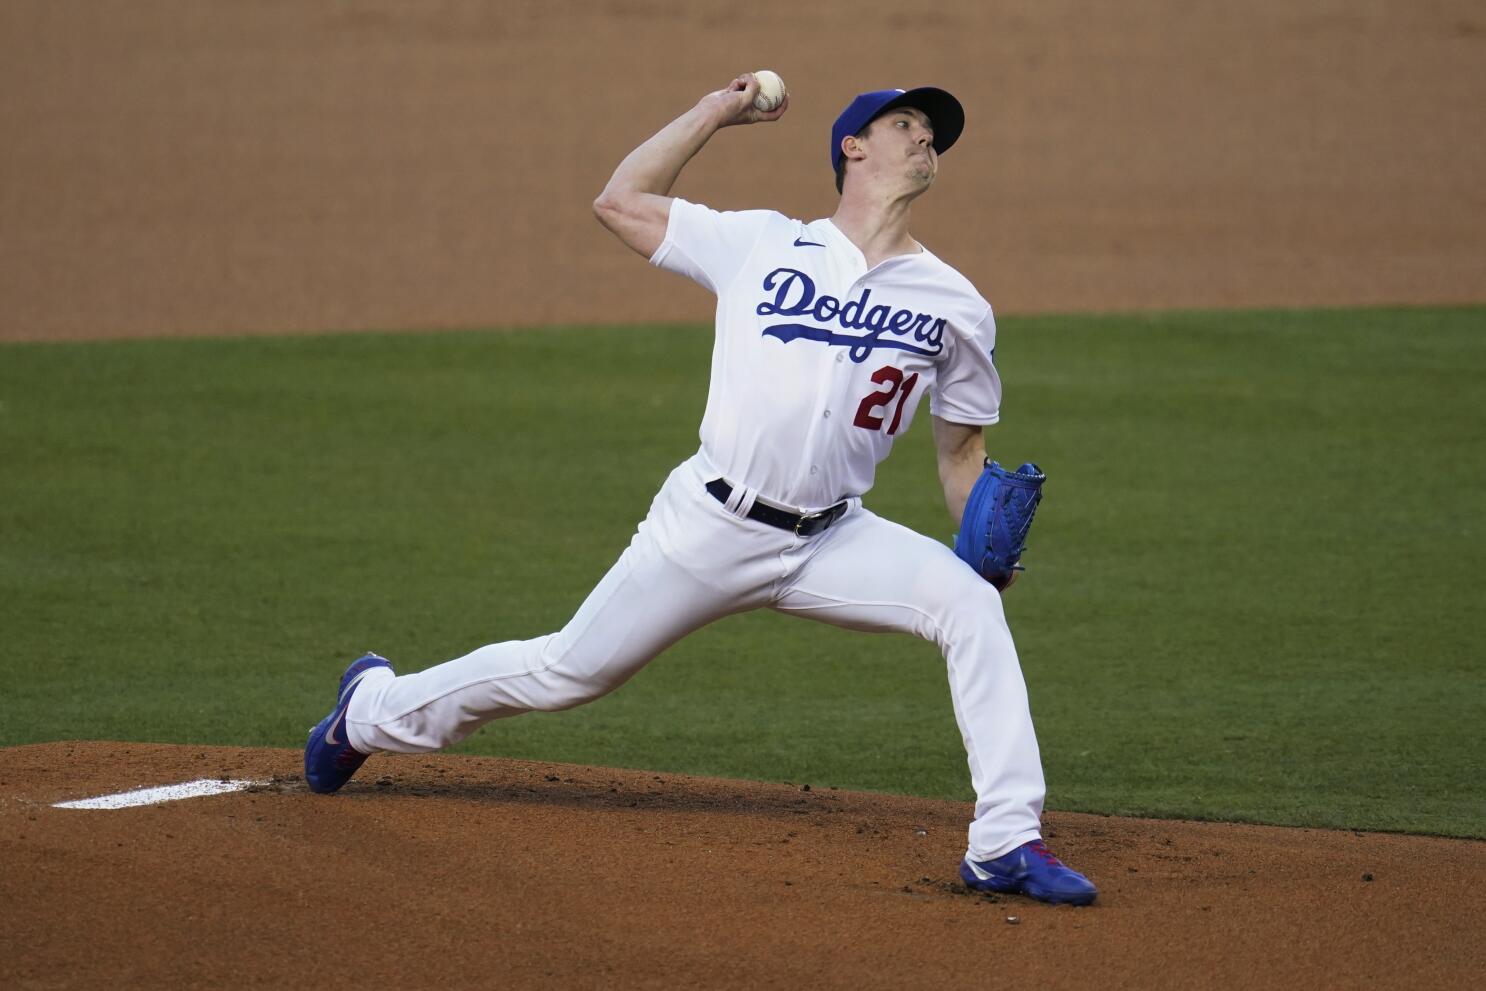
[[794, 296]]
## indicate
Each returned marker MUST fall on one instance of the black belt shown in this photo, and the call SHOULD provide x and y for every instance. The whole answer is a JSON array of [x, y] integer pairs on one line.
[[803, 526]]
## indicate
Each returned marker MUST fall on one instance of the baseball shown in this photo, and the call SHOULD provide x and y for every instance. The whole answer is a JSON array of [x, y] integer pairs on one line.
[[770, 90]]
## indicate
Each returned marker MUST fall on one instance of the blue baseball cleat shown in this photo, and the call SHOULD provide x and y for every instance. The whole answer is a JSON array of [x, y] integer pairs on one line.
[[1030, 869], [329, 758]]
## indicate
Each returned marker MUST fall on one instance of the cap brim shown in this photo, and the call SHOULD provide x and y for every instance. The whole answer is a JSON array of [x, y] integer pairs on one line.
[[944, 111]]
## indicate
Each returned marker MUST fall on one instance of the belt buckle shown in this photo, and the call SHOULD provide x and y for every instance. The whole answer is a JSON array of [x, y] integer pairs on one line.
[[806, 519]]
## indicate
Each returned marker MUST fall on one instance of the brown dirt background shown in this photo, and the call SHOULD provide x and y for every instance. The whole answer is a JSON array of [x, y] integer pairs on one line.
[[176, 166], [479, 872], [280, 166]]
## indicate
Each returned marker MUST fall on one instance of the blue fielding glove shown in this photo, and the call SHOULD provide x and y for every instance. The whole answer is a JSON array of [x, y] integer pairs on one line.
[[998, 514]]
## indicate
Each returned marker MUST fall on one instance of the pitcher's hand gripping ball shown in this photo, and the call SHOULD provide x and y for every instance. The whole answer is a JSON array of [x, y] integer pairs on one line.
[[770, 90], [998, 514]]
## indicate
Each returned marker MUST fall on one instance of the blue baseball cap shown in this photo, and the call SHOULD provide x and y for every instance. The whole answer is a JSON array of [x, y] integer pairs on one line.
[[944, 111]]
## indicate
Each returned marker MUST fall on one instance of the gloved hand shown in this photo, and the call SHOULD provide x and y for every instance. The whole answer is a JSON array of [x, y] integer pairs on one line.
[[998, 514]]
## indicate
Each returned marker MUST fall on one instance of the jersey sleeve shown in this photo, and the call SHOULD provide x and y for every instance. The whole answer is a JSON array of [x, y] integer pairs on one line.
[[968, 387], [708, 246]]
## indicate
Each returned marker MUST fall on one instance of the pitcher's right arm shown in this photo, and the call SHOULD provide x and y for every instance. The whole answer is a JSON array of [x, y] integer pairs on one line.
[[636, 204]]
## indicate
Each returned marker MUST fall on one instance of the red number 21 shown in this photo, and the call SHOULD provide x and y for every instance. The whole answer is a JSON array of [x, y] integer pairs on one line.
[[898, 386]]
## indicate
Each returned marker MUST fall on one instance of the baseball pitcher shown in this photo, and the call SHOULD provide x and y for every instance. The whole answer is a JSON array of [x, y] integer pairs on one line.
[[828, 335]]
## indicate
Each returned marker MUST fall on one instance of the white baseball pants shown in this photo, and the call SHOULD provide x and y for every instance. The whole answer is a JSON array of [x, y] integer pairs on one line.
[[694, 560]]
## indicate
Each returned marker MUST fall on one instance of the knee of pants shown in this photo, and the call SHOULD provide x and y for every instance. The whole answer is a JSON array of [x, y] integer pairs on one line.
[[974, 611], [558, 690]]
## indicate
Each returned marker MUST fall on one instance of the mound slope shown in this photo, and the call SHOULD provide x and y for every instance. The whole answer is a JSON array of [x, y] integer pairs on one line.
[[448, 870]]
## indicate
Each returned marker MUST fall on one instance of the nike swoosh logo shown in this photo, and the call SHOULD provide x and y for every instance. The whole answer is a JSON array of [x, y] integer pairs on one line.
[[808, 244], [340, 717], [975, 869], [330, 733]]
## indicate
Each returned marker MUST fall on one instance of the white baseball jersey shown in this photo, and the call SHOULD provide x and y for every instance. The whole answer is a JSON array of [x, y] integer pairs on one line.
[[819, 362]]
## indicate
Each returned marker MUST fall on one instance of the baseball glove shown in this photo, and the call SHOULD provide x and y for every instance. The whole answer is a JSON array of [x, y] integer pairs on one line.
[[998, 514]]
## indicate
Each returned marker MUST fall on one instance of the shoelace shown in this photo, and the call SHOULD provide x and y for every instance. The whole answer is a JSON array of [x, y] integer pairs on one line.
[[1040, 848]]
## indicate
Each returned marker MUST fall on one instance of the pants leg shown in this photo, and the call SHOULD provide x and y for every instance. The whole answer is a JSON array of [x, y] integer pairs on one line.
[[867, 573], [689, 563]]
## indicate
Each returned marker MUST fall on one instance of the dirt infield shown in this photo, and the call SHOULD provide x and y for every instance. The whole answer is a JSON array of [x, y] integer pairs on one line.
[[169, 166], [477, 872]]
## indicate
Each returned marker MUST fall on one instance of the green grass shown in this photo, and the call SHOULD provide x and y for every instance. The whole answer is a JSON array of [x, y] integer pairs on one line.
[[1254, 586]]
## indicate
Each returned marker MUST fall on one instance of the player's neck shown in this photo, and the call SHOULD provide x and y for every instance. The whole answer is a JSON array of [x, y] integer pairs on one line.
[[878, 226]]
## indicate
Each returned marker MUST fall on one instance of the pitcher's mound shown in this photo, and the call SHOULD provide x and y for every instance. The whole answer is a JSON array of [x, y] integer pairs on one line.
[[447, 871]]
